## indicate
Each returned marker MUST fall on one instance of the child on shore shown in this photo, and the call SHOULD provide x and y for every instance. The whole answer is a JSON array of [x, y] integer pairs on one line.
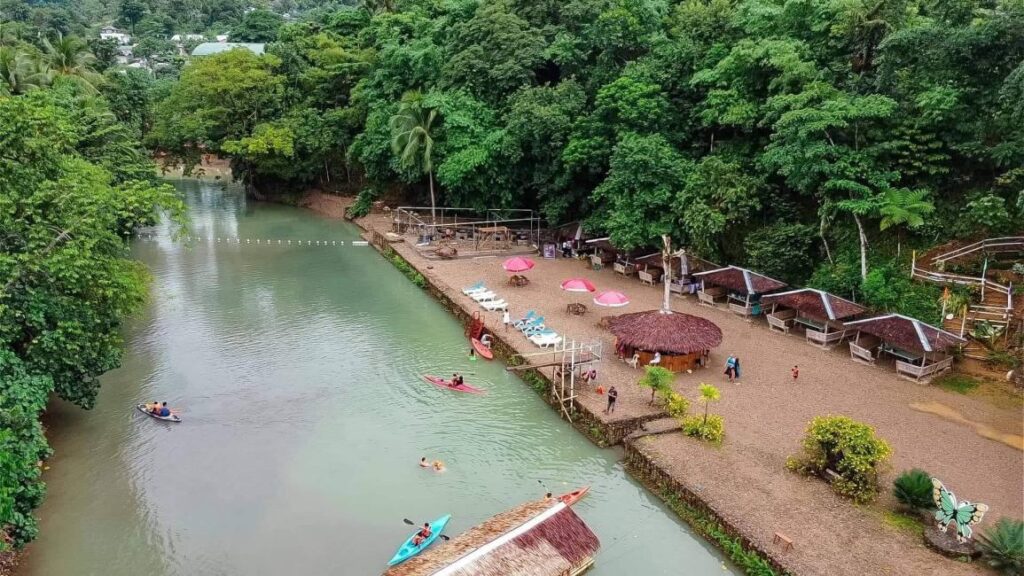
[[796, 372]]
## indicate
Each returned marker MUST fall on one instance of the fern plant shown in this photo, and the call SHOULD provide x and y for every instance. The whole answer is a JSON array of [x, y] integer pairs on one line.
[[1003, 546], [913, 489]]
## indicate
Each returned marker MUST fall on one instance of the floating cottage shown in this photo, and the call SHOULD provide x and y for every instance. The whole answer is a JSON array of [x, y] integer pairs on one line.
[[541, 538]]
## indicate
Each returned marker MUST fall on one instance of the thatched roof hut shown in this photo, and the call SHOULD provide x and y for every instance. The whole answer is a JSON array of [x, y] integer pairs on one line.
[[675, 333], [741, 280], [815, 304], [539, 538], [908, 333]]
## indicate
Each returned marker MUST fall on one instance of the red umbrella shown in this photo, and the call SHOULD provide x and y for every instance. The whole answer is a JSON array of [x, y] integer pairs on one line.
[[611, 299], [517, 264]]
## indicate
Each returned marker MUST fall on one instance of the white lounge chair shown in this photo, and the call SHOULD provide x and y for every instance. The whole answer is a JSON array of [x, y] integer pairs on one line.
[[481, 296], [478, 287], [546, 340], [494, 305]]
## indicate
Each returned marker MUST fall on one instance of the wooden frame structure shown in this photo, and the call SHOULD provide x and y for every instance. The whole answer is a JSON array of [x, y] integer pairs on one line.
[[820, 313], [920, 351]]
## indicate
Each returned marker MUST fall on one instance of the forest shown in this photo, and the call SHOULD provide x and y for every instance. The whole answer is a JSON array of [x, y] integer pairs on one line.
[[817, 141]]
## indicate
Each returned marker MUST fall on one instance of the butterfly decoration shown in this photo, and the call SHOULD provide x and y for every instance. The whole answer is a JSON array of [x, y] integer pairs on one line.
[[964, 514]]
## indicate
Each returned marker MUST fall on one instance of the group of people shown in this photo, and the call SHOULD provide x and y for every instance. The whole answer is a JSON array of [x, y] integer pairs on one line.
[[732, 368], [158, 409], [457, 380]]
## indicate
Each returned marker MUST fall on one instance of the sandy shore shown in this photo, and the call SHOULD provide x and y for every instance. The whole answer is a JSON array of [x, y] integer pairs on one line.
[[766, 414]]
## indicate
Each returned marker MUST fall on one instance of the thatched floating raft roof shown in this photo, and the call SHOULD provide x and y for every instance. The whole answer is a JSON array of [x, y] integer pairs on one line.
[[673, 333], [539, 538]]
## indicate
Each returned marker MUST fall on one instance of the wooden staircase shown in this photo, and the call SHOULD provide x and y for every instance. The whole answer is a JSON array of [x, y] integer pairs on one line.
[[995, 303]]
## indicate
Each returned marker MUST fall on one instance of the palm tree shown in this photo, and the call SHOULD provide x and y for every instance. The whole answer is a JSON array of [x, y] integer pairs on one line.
[[70, 57], [412, 140], [19, 72], [903, 207], [708, 394]]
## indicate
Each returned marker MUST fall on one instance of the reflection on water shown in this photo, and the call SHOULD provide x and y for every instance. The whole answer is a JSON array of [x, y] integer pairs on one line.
[[297, 372]]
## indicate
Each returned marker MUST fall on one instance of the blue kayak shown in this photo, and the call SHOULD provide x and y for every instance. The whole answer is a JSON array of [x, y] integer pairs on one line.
[[408, 550]]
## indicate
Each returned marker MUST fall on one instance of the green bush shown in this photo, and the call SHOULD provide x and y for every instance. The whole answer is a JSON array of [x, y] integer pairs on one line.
[[675, 404], [913, 489], [405, 268], [847, 447], [658, 379], [363, 203], [710, 428], [1002, 545], [22, 445]]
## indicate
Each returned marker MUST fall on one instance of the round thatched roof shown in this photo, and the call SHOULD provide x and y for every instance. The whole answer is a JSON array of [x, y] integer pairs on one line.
[[674, 333]]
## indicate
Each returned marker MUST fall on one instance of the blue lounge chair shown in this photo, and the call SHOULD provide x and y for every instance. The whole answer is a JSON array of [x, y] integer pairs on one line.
[[535, 329], [531, 323], [474, 288], [530, 315]]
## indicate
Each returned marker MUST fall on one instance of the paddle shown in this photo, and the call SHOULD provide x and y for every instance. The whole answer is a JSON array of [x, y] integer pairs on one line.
[[411, 523]]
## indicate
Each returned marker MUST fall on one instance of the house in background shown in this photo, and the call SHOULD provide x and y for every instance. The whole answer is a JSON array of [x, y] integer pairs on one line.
[[111, 33]]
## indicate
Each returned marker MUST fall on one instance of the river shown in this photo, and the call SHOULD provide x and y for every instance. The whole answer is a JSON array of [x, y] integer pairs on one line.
[[296, 371]]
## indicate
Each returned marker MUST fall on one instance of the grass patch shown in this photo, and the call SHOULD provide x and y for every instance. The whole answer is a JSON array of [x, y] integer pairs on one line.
[[959, 383], [905, 522]]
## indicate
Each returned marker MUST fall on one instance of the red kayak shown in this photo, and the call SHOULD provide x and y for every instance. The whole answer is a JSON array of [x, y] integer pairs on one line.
[[571, 498], [481, 349], [442, 383]]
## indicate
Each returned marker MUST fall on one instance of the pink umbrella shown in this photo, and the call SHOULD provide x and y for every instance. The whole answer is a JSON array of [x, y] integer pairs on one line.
[[611, 299], [578, 285], [517, 264]]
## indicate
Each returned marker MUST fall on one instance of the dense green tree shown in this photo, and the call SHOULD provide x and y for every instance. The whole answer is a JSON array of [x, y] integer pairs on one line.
[[131, 11], [257, 26]]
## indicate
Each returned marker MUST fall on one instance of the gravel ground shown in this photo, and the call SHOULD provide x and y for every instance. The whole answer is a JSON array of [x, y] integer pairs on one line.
[[766, 414]]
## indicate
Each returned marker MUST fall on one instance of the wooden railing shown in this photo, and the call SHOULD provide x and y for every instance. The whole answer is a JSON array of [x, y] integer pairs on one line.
[[862, 354], [918, 372], [825, 339], [781, 321], [1004, 244]]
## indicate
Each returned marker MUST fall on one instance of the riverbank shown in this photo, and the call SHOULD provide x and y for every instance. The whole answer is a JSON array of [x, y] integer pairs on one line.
[[744, 481]]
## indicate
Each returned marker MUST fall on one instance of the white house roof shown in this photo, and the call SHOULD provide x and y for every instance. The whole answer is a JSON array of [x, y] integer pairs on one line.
[[208, 48]]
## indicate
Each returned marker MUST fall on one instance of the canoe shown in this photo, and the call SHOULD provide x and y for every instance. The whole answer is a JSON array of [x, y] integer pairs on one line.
[[171, 418], [442, 383], [408, 550], [481, 349], [571, 498]]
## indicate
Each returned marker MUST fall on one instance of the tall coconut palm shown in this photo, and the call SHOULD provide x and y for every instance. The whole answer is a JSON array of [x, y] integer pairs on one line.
[[70, 57], [19, 73], [413, 141]]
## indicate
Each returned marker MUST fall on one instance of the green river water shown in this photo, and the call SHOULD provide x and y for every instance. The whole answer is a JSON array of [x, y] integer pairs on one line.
[[296, 370]]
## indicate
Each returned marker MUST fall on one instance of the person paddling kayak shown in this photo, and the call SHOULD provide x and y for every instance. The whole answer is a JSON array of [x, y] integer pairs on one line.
[[422, 535]]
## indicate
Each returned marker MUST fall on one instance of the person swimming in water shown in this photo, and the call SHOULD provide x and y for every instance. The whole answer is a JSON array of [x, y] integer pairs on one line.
[[438, 466], [424, 463]]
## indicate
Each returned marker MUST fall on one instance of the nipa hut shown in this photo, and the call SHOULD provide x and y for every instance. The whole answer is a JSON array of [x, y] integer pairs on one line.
[[820, 314], [742, 288], [920, 350], [651, 269], [539, 538], [682, 340]]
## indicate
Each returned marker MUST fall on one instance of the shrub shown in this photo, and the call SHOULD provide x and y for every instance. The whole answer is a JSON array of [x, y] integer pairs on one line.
[[913, 489], [363, 203], [1003, 546], [710, 427], [675, 404], [658, 379], [847, 447]]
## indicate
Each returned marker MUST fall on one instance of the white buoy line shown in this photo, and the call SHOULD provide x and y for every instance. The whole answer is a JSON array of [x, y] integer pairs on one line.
[[257, 241]]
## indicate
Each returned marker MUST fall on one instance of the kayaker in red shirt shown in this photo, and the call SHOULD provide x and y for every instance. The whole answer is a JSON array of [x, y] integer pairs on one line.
[[422, 535]]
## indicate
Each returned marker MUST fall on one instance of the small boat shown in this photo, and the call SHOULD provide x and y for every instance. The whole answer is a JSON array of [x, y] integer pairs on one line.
[[171, 418], [482, 349], [571, 498], [408, 550], [442, 383]]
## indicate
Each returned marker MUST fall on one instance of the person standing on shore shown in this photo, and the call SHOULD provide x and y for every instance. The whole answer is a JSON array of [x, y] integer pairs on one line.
[[506, 319], [796, 373], [730, 368], [613, 395]]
